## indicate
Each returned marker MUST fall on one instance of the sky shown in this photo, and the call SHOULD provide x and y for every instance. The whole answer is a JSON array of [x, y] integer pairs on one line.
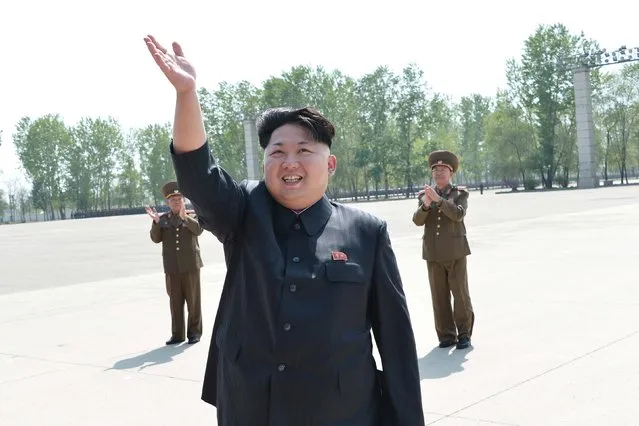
[[78, 59]]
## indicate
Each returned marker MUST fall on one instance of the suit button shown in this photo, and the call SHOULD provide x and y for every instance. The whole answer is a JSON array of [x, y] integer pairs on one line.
[[296, 259], [287, 326], [292, 288], [297, 226], [281, 367]]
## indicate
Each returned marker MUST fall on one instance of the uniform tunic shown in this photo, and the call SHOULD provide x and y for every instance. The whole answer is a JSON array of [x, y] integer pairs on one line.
[[292, 339]]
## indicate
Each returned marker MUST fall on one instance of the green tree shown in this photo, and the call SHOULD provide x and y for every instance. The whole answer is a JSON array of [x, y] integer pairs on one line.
[[410, 113], [618, 117], [509, 143], [224, 111], [377, 97], [41, 146], [156, 165], [4, 205], [473, 111], [544, 89], [130, 187], [93, 162]]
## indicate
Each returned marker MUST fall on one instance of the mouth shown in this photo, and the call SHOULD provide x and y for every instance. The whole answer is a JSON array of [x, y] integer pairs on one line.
[[292, 180]]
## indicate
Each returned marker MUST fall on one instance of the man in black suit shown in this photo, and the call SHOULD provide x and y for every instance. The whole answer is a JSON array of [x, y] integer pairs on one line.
[[307, 280]]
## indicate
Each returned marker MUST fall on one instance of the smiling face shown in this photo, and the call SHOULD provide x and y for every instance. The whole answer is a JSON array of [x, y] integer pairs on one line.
[[296, 167], [175, 203], [442, 176]]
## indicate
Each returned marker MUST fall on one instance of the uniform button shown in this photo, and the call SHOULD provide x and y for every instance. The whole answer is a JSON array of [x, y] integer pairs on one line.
[[281, 367], [292, 288], [296, 226], [177, 242], [439, 211], [287, 326], [313, 276], [439, 218], [177, 248], [437, 233], [296, 259], [438, 225]]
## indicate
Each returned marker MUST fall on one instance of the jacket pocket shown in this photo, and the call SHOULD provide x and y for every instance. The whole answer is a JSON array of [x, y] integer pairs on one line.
[[344, 272]]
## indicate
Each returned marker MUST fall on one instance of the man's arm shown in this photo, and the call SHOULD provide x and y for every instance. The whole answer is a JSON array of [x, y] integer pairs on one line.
[[217, 198], [456, 209], [156, 232], [420, 215], [193, 225], [394, 337], [188, 125]]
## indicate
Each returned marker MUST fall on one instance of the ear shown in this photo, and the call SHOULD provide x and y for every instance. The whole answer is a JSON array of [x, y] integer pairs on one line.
[[332, 164]]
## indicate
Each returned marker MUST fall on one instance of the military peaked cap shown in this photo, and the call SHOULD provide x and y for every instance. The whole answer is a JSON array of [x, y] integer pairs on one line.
[[443, 158], [170, 188]]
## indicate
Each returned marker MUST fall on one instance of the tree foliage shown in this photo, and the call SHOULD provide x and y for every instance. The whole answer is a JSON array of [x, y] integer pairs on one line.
[[387, 123]]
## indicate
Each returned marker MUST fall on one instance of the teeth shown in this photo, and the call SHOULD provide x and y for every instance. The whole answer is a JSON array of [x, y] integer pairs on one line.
[[291, 178]]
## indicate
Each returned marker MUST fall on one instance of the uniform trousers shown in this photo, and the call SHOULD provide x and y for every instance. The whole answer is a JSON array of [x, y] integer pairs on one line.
[[183, 288], [446, 278]]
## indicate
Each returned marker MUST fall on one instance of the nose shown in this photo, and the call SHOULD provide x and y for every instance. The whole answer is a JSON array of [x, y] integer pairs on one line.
[[290, 163]]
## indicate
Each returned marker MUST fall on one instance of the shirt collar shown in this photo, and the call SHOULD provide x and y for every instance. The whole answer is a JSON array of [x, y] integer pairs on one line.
[[313, 218]]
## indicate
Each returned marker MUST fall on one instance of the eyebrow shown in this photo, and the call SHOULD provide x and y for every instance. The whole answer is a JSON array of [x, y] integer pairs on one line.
[[298, 143]]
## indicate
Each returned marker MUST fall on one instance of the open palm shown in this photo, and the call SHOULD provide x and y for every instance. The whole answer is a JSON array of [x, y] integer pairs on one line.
[[175, 67]]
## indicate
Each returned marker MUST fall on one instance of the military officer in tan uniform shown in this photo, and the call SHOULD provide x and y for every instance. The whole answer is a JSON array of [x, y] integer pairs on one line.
[[178, 232], [441, 212]]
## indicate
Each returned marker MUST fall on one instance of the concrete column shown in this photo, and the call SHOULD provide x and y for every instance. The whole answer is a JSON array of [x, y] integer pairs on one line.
[[585, 129], [253, 170]]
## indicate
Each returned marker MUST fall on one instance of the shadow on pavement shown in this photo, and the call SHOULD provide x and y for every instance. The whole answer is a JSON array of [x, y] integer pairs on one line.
[[157, 356], [440, 363]]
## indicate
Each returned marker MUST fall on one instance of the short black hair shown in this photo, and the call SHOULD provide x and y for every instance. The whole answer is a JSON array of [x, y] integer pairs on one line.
[[309, 118]]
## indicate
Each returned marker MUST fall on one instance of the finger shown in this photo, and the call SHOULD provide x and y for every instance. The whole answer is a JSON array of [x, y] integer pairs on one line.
[[177, 49], [157, 44]]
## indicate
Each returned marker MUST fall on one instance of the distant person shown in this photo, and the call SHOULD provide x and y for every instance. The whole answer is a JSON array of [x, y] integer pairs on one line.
[[441, 212], [178, 232], [481, 188], [307, 280]]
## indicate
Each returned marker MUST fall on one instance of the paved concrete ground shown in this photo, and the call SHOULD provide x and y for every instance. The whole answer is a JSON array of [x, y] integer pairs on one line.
[[553, 276]]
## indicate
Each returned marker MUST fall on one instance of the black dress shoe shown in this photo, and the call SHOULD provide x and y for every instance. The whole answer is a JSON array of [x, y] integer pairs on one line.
[[193, 340], [446, 343], [463, 343], [174, 340]]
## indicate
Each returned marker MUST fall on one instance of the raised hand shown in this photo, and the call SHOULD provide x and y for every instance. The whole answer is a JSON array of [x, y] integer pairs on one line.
[[153, 214], [432, 194], [175, 67], [183, 212]]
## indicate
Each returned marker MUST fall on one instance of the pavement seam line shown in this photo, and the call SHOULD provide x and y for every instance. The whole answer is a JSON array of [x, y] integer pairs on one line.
[[543, 373], [80, 364]]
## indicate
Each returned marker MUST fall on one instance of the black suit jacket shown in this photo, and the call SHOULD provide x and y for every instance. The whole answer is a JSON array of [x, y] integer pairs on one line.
[[292, 337]]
